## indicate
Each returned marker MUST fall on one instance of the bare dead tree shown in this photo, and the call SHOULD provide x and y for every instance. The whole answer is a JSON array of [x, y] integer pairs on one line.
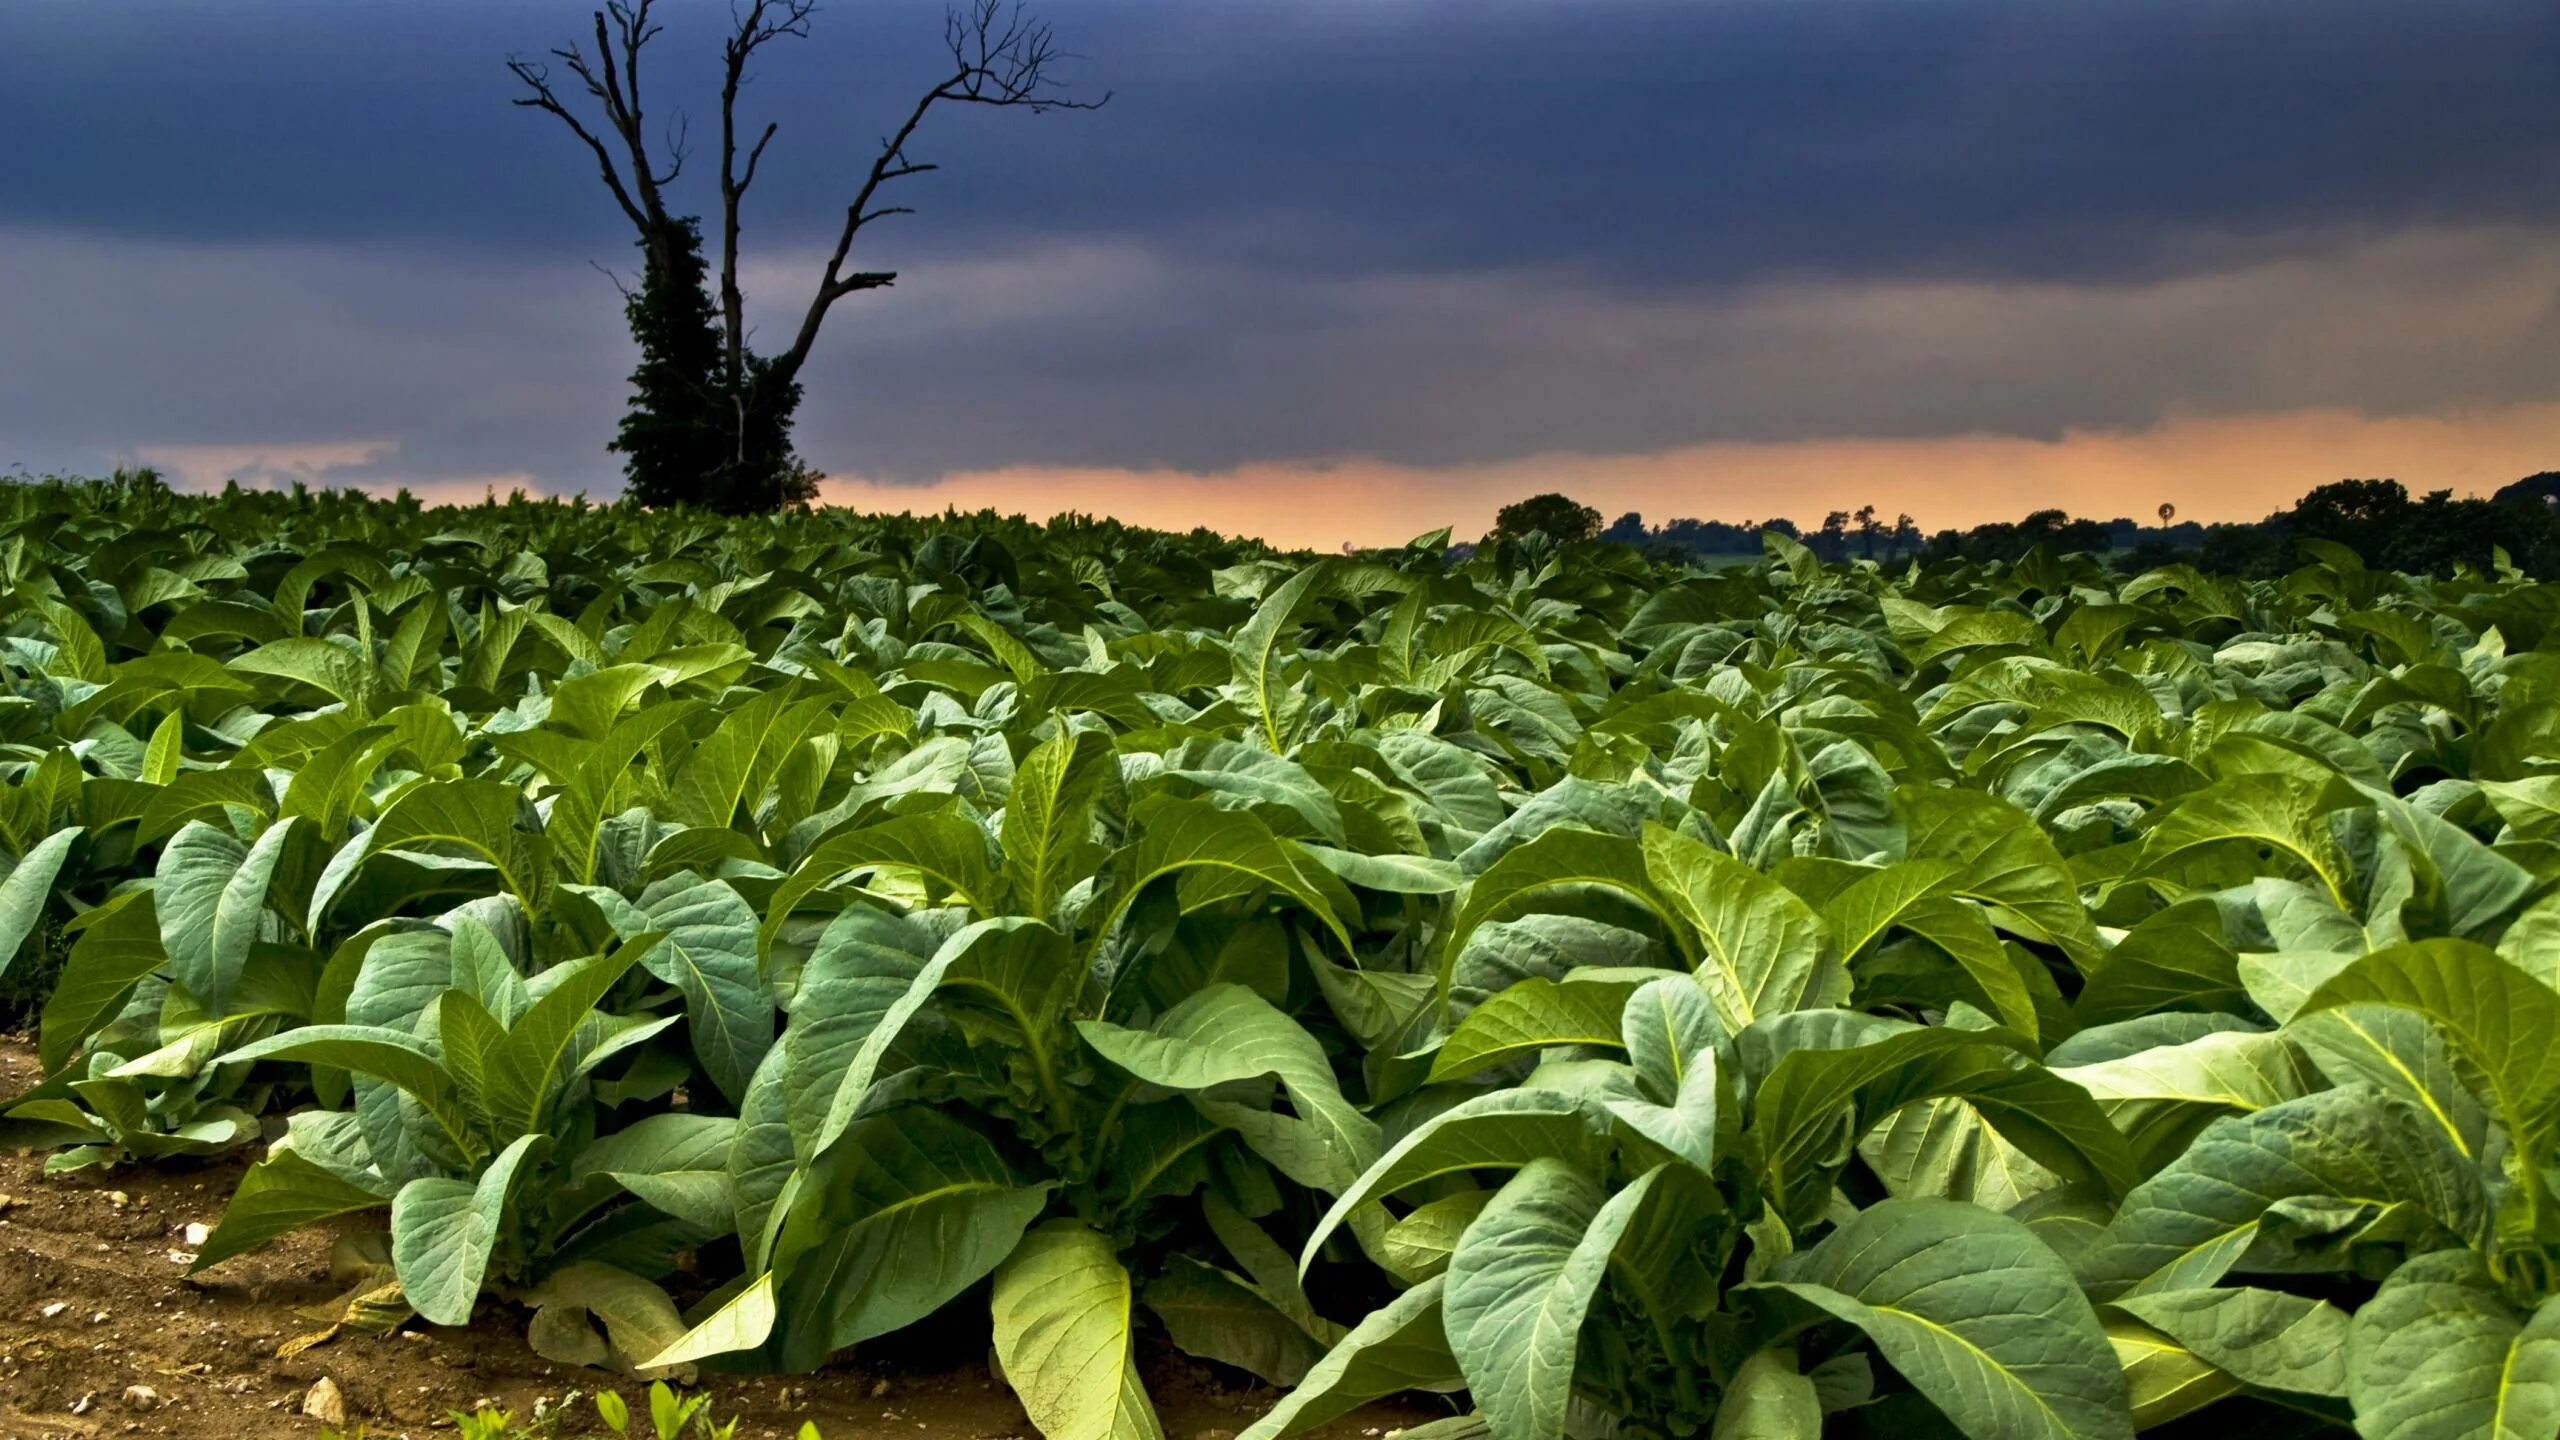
[[1000, 56]]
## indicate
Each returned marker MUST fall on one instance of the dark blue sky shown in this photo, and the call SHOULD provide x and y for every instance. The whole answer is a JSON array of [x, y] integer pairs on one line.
[[1436, 234]]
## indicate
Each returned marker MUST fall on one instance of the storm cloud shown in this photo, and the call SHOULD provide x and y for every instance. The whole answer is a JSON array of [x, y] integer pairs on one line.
[[1420, 233]]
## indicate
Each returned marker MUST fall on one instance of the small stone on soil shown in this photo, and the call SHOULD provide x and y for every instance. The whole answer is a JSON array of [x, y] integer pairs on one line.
[[142, 1397], [323, 1403]]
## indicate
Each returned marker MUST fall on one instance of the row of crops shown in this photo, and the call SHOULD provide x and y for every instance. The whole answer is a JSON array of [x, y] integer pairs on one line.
[[2008, 1001]]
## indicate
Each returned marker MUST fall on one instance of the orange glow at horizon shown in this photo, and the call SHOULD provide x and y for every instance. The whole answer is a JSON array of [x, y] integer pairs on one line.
[[2221, 468]]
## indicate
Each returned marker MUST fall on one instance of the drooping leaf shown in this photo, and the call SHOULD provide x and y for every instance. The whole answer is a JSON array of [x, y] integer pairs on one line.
[[279, 1195], [1533, 1015], [1397, 1347], [1227, 1033]]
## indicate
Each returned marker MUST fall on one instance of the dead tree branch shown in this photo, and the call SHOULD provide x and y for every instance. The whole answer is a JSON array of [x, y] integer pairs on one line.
[[999, 57]]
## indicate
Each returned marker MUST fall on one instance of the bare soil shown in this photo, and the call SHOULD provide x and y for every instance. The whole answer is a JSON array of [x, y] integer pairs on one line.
[[139, 1347]]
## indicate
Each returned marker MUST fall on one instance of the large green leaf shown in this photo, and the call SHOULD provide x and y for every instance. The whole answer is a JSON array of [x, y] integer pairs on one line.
[[118, 944], [1227, 1033], [1399, 1346], [1666, 1025], [2265, 1338], [2188, 1225], [1882, 1069], [2281, 811], [545, 1047], [1418, 1246], [1974, 1311], [1548, 870], [1219, 854], [1504, 1130], [1259, 646], [442, 1231], [2503, 1026], [2439, 1352], [1222, 1317], [478, 816], [280, 1194], [742, 1322], [1017, 970], [676, 1162], [1861, 912], [1768, 1400], [578, 812], [1525, 1018], [735, 763], [394, 1057], [1047, 833], [1520, 1286], [211, 904], [1270, 1268], [323, 665], [1944, 1149], [27, 889], [2161, 1095], [2004, 860], [710, 955], [2163, 1379], [1761, 950], [910, 1209], [1066, 1336], [944, 849], [2399, 1052]]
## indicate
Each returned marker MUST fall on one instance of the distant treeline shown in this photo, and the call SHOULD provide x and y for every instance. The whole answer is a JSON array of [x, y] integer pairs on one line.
[[2378, 519]]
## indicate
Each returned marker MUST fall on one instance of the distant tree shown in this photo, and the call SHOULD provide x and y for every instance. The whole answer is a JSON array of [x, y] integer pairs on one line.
[[1835, 536], [1868, 529], [1906, 534], [1627, 529], [2356, 513], [1562, 518], [710, 419]]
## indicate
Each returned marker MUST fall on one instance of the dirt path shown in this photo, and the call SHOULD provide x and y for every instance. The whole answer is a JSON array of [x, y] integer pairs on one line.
[[95, 1300]]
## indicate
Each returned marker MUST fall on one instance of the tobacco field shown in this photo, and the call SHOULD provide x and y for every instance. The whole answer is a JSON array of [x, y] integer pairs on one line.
[[2000, 1000]]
